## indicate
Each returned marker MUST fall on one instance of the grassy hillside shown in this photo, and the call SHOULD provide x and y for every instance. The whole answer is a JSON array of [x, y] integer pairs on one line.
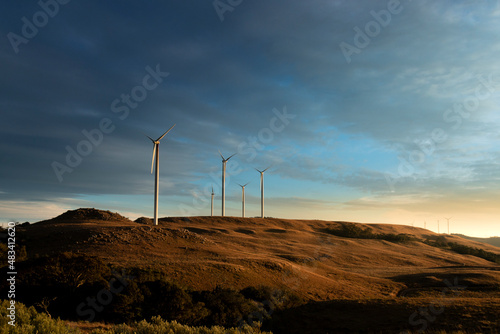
[[494, 241], [234, 252], [331, 265]]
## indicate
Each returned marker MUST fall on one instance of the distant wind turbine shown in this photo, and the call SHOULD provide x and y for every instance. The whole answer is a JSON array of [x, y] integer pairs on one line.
[[243, 198], [156, 155], [224, 182], [262, 190], [448, 220], [212, 206]]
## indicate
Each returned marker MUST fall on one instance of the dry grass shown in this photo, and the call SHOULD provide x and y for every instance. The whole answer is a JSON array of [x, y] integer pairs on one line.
[[367, 277], [201, 252]]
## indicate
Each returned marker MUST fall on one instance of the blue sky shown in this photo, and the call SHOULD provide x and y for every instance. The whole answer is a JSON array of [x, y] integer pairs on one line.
[[369, 111]]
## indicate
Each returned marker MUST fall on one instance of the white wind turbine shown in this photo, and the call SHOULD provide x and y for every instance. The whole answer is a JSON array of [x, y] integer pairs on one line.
[[224, 182], [212, 206], [156, 155], [262, 190], [448, 220], [243, 198]]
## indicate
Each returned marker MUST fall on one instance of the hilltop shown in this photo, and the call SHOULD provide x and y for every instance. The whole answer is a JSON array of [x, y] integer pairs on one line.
[[304, 256]]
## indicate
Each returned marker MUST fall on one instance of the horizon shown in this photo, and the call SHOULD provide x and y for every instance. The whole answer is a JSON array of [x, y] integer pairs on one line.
[[382, 112], [134, 218]]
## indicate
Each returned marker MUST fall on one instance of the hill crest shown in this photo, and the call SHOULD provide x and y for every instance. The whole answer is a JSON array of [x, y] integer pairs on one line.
[[300, 255]]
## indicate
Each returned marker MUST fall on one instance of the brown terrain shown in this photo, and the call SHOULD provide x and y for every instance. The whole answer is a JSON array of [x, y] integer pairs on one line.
[[343, 279]]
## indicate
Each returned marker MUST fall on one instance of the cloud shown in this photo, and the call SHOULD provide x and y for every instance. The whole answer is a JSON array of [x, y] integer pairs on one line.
[[354, 123]]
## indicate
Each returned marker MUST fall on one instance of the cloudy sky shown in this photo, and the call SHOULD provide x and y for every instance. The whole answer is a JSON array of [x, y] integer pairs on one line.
[[369, 111]]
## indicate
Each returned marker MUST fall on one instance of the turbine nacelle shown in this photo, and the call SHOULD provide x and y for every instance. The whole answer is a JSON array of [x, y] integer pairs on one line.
[[243, 186], [155, 146], [225, 160], [262, 171]]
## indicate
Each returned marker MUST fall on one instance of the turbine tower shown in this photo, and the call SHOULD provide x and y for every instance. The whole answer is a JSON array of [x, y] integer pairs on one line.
[[438, 226], [156, 156], [262, 190], [448, 220], [212, 206], [224, 182], [243, 198]]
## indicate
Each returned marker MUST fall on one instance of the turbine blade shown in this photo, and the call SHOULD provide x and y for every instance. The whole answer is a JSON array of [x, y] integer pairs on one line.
[[266, 169], [166, 133], [150, 138], [230, 157], [221, 156], [258, 170], [246, 184], [153, 160]]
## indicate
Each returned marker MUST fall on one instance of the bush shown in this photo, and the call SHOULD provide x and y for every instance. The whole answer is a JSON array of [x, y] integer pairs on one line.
[[29, 321], [171, 302], [463, 249], [56, 285], [351, 230], [227, 306], [159, 326]]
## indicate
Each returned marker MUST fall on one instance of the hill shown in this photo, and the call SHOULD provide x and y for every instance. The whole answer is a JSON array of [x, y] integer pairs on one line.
[[300, 255], [341, 269], [494, 241]]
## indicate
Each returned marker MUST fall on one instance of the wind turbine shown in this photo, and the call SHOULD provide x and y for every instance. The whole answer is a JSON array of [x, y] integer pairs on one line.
[[224, 182], [262, 190], [243, 198], [212, 206], [448, 220], [156, 155]]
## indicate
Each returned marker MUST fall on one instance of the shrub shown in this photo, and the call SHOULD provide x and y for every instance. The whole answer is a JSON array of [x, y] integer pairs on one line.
[[29, 321], [227, 306], [351, 230], [463, 249]]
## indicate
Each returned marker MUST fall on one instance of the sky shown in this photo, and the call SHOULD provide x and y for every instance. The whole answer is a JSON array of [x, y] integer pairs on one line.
[[364, 111]]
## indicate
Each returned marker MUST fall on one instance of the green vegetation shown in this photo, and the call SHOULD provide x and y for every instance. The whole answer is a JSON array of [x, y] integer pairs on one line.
[[29, 321], [351, 230]]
